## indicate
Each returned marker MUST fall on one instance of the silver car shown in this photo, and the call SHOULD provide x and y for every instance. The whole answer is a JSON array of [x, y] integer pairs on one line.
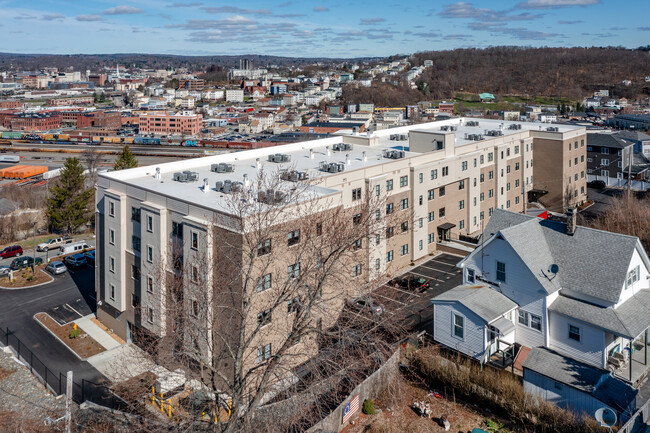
[[56, 268], [366, 305]]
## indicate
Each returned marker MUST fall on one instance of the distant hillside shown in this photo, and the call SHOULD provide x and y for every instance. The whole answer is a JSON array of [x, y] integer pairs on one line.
[[159, 61]]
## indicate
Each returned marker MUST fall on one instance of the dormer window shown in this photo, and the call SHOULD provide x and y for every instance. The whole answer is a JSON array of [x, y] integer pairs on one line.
[[632, 277]]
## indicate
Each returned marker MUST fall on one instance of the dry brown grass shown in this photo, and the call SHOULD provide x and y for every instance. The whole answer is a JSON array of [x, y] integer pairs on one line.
[[5, 373]]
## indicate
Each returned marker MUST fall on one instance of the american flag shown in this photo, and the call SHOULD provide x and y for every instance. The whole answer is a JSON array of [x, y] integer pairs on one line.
[[350, 409]]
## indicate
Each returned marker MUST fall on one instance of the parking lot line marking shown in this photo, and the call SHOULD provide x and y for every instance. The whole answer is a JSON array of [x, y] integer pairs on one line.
[[391, 299], [70, 307], [426, 276], [440, 270]]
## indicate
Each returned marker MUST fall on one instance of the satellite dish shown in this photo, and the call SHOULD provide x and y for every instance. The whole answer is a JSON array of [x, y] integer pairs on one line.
[[606, 417], [553, 269]]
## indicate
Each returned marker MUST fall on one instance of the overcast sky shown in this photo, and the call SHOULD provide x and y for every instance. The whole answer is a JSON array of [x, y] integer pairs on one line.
[[308, 28]]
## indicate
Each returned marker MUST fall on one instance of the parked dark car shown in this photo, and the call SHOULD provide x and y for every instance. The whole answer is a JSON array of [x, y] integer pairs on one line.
[[413, 283], [13, 251], [90, 257], [24, 262], [366, 305], [598, 184], [75, 260]]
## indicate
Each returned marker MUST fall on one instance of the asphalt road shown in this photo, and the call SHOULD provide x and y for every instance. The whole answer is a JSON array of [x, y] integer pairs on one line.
[[28, 250], [68, 297], [602, 199]]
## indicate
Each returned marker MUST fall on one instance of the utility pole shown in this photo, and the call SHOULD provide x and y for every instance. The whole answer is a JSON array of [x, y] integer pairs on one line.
[[68, 404], [34, 261], [629, 175]]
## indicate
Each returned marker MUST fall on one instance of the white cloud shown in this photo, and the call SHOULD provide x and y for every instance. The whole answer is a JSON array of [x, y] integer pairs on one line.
[[89, 18], [554, 4], [122, 10]]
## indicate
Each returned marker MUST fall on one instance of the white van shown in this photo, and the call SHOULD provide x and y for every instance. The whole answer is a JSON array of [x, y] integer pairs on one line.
[[74, 247]]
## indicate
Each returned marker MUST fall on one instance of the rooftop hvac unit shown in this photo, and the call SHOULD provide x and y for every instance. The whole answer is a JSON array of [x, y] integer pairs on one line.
[[279, 157], [331, 167], [552, 129], [222, 167], [394, 154], [494, 133], [394, 137], [403, 137], [514, 126], [228, 186], [448, 127], [294, 176], [340, 147], [271, 196], [186, 176], [474, 137], [472, 123]]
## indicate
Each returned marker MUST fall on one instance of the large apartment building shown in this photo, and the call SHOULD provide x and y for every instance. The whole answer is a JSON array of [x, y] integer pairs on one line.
[[181, 123], [434, 182]]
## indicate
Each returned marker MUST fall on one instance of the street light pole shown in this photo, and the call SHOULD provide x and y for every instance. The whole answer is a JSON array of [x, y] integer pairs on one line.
[[34, 261]]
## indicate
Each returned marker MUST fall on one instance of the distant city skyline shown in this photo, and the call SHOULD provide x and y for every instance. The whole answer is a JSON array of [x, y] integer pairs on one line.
[[314, 28]]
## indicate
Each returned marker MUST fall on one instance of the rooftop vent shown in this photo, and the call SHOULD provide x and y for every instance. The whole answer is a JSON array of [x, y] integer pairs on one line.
[[552, 129], [394, 154], [448, 128], [340, 147], [472, 123], [186, 176], [228, 186], [271, 196], [279, 157], [494, 133], [222, 167], [394, 137], [294, 176], [514, 126], [403, 137], [474, 137], [331, 167]]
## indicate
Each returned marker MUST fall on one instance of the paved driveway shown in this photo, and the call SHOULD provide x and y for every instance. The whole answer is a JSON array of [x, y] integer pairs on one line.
[[68, 297]]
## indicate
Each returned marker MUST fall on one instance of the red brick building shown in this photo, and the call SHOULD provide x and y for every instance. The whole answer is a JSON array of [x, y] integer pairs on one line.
[[11, 103], [185, 124], [34, 122], [100, 119]]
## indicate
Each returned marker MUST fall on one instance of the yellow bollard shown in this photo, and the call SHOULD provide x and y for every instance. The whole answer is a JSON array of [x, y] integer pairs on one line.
[[202, 416], [229, 406], [170, 407], [153, 395], [162, 409]]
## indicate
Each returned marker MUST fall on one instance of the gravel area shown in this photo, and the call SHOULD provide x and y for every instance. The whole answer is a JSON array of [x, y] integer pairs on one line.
[[21, 392]]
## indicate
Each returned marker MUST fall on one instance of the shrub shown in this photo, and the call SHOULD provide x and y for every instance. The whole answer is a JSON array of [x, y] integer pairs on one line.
[[368, 407], [74, 333], [30, 278]]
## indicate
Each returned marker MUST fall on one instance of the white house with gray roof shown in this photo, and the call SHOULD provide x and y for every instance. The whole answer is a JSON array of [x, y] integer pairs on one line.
[[579, 293]]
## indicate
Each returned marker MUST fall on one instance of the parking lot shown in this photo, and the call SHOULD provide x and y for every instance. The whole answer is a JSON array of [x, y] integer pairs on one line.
[[412, 309]]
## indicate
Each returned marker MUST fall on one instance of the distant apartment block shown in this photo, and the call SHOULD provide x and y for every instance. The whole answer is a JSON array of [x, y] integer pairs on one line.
[[100, 119], [33, 122], [234, 95], [180, 123], [11, 103], [61, 102]]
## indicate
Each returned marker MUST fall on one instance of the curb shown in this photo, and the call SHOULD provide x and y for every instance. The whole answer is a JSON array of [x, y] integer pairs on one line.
[[30, 287], [55, 336]]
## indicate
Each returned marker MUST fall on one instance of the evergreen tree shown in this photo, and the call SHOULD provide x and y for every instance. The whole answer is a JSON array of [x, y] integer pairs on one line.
[[125, 159], [69, 199]]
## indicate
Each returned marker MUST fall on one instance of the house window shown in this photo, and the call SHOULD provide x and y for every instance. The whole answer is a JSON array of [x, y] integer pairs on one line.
[[420, 223], [482, 177], [389, 208], [441, 191], [112, 292], [264, 247], [420, 177], [135, 214], [389, 185], [356, 245], [604, 161], [135, 272], [523, 317], [461, 184], [356, 219], [482, 196], [195, 308], [632, 277], [420, 245], [111, 236], [150, 315], [501, 272], [293, 305], [461, 224], [149, 253], [135, 243], [150, 284], [508, 169], [404, 249], [377, 264], [356, 194], [434, 174], [377, 190], [403, 181], [490, 157], [405, 226], [574, 333], [195, 240], [441, 212], [111, 208], [293, 270], [430, 216], [293, 237], [459, 326], [431, 238], [431, 194], [482, 159], [463, 165], [536, 322], [470, 275], [389, 232], [604, 150], [445, 171], [420, 200], [389, 256], [405, 203], [263, 353], [194, 273], [490, 174], [264, 318], [461, 204], [177, 230], [149, 223], [111, 264], [319, 231], [356, 270]]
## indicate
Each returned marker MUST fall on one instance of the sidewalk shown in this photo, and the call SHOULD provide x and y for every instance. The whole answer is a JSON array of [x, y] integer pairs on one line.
[[96, 333], [125, 362]]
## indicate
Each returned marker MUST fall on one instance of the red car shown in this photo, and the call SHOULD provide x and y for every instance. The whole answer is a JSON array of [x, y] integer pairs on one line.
[[13, 251]]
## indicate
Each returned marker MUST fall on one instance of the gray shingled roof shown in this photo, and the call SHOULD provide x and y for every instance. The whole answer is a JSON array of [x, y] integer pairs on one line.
[[486, 302], [629, 320], [593, 262], [633, 135], [592, 380], [607, 140]]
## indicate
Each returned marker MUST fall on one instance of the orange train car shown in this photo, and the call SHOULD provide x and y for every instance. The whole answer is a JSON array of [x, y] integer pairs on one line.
[[22, 171]]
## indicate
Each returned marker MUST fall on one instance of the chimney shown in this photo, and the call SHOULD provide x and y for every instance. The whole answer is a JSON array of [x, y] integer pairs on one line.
[[571, 221], [348, 161], [365, 157], [157, 175], [206, 188]]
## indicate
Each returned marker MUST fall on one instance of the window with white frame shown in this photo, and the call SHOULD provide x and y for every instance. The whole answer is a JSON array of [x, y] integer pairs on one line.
[[195, 240], [194, 273], [403, 181], [111, 236], [431, 238], [111, 264], [389, 256], [263, 353], [293, 270], [356, 270], [149, 223], [501, 271], [632, 277], [404, 249], [150, 315], [112, 294], [293, 237], [459, 326], [536, 322], [575, 333], [150, 284], [470, 275], [111, 208], [404, 203], [389, 185], [149, 253]]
